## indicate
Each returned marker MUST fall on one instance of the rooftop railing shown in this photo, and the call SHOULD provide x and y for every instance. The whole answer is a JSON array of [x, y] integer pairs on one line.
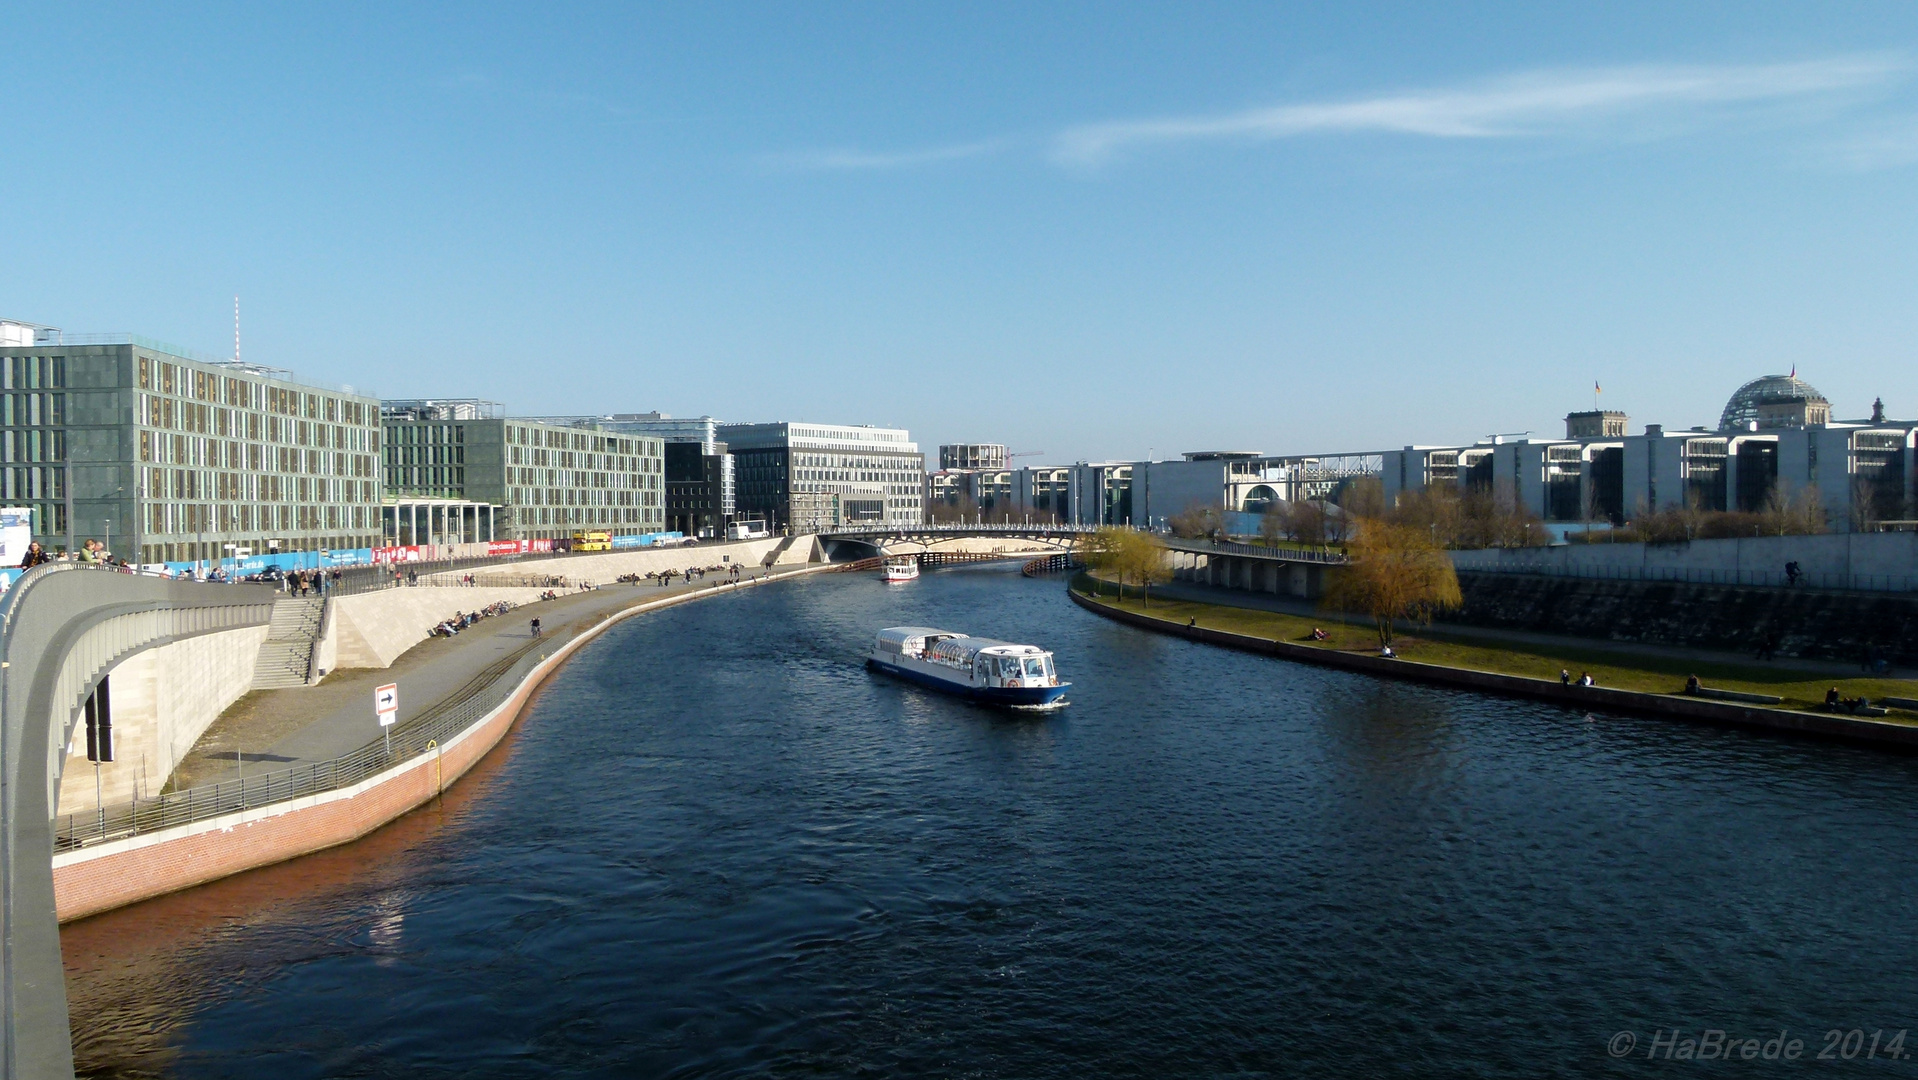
[[261, 370]]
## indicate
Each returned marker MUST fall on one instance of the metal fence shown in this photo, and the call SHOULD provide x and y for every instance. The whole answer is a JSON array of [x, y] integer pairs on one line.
[[420, 735], [1756, 578]]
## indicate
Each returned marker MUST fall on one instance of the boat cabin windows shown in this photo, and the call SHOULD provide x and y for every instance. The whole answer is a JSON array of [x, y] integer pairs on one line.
[[1035, 668]]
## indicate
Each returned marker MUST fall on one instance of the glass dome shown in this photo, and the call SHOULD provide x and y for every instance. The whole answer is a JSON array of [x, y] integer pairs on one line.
[[1742, 410]]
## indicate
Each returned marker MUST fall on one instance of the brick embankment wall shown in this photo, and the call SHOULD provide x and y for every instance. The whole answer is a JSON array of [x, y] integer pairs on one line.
[[1806, 622], [105, 876], [1826, 725]]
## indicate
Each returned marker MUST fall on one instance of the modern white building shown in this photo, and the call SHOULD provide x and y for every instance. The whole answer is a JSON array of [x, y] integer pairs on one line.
[[819, 476], [1774, 437]]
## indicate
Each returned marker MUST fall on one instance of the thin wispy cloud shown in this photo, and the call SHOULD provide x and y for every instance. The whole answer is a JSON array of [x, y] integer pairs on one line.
[[852, 159], [1536, 103], [1882, 146]]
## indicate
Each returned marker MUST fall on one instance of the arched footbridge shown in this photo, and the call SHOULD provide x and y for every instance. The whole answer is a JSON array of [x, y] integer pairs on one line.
[[62, 627], [936, 544]]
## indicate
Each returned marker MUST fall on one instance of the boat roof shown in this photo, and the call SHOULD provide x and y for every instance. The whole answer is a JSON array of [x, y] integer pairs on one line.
[[963, 641], [900, 633]]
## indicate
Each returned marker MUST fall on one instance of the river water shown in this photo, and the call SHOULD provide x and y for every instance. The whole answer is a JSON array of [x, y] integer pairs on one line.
[[717, 846]]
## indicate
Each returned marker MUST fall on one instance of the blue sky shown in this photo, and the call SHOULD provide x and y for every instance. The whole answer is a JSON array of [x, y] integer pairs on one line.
[[1094, 230]]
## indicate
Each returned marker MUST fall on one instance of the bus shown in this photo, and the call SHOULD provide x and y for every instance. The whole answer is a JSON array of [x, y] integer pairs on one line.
[[592, 541]]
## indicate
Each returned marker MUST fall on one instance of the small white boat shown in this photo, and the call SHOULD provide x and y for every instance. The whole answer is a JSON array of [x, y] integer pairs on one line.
[[999, 672], [901, 567]]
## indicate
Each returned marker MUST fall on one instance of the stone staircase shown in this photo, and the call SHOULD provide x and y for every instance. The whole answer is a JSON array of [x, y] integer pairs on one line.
[[286, 656]]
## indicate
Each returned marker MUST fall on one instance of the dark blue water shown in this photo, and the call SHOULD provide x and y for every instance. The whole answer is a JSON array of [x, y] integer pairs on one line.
[[719, 847]]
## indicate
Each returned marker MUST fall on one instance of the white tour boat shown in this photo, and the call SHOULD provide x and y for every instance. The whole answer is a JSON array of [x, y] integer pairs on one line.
[[979, 668], [901, 567]]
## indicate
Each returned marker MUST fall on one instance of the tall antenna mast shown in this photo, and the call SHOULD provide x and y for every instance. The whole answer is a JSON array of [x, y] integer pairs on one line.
[[236, 329]]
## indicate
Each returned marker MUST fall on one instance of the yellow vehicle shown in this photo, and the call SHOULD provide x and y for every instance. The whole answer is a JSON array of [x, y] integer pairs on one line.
[[592, 541]]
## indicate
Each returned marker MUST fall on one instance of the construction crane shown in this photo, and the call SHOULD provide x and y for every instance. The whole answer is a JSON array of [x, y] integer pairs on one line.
[[1025, 453]]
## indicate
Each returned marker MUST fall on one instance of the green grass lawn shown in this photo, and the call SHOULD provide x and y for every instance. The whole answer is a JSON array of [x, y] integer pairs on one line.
[[1647, 672]]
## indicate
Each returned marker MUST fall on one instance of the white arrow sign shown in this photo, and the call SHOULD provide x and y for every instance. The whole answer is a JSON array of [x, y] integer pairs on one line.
[[386, 703]]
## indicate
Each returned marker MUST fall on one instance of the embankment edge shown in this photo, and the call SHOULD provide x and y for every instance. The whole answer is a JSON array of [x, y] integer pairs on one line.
[[1822, 725], [102, 877]]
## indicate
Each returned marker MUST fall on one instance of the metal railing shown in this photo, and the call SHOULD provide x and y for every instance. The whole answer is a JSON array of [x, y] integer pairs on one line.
[[1775, 579], [1284, 554], [1013, 528], [111, 337], [420, 735]]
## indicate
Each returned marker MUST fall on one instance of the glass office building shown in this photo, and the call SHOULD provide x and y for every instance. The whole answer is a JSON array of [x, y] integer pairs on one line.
[[180, 459], [821, 476], [548, 481]]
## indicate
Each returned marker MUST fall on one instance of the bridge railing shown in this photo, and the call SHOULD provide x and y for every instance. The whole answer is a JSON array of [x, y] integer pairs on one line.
[[1324, 556], [960, 529]]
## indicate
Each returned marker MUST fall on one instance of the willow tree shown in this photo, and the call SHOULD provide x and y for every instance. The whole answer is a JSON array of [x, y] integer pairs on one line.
[[1396, 572], [1129, 557]]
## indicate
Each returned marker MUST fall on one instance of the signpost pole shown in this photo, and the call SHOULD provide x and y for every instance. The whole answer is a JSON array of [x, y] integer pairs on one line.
[[386, 706]]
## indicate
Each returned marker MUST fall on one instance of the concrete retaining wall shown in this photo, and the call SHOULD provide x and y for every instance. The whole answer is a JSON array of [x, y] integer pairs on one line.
[[163, 700], [1827, 559], [1801, 622], [371, 630], [611, 566]]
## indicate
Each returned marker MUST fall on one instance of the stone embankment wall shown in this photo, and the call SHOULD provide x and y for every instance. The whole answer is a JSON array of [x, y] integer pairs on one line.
[[1806, 622], [163, 700]]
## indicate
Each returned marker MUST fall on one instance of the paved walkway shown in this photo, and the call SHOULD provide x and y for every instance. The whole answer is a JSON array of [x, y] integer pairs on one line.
[[268, 730], [1477, 635]]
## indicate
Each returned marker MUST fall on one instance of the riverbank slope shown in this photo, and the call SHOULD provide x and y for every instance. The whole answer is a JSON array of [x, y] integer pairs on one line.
[[1288, 637]]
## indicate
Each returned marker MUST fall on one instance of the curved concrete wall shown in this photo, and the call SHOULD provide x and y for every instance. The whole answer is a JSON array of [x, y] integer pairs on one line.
[[164, 699], [60, 627], [609, 567], [371, 630]]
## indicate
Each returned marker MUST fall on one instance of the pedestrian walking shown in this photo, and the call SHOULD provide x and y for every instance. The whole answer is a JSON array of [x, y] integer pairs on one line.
[[536, 626]]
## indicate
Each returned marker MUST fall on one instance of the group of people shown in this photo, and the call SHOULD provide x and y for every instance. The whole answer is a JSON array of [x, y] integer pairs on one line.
[[1858, 706], [464, 619], [306, 582], [1585, 679], [92, 551], [663, 578]]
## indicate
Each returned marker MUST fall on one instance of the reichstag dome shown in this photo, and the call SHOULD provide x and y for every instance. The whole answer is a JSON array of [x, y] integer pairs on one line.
[[1743, 409]]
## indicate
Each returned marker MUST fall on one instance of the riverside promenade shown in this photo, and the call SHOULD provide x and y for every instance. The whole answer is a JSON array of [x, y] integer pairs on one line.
[[465, 691], [280, 729]]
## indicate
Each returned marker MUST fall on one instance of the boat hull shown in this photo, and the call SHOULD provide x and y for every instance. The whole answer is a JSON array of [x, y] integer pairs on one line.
[[1018, 696]]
